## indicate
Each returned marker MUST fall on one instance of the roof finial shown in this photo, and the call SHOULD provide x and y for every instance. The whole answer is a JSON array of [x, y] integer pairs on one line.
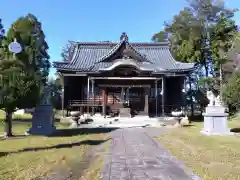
[[124, 37]]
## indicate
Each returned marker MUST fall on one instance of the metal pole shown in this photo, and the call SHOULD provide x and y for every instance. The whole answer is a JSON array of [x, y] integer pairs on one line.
[[163, 90], [156, 96]]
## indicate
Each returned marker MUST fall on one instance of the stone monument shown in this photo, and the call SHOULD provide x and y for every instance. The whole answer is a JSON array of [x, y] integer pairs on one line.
[[43, 116], [124, 110], [215, 118]]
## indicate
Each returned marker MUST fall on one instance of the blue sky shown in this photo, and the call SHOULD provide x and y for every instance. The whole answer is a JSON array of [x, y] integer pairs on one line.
[[96, 20]]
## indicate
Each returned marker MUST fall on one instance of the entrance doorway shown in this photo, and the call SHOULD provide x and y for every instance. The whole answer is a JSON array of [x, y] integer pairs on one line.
[[136, 100], [129, 97]]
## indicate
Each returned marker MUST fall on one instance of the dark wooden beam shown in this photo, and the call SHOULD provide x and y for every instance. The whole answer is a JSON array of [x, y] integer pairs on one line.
[[127, 78], [117, 85]]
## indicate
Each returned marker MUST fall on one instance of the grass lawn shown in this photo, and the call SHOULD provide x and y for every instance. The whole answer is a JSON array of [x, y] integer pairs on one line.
[[29, 158], [94, 170], [210, 157], [15, 116]]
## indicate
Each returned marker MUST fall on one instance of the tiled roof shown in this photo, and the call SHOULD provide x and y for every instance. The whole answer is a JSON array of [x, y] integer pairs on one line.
[[91, 57]]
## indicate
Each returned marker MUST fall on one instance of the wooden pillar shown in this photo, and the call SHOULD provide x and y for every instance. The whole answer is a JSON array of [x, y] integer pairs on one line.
[[62, 98], [191, 94], [104, 101], [92, 101], [88, 97], [163, 96], [63, 114], [82, 98], [82, 110], [184, 94], [146, 101], [156, 97]]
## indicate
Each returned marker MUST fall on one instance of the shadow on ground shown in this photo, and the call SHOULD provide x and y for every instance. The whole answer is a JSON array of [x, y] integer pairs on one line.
[[19, 136], [78, 131], [189, 125], [65, 133], [58, 146], [20, 121], [235, 130], [196, 118]]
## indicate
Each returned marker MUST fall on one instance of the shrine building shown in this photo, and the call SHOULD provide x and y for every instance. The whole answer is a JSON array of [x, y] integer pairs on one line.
[[107, 77]]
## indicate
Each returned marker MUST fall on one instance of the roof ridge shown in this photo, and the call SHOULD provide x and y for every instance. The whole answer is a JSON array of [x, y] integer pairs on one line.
[[165, 43], [136, 51], [117, 46], [75, 54], [114, 49]]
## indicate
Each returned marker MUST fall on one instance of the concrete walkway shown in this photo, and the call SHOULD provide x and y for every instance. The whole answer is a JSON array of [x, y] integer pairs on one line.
[[136, 155]]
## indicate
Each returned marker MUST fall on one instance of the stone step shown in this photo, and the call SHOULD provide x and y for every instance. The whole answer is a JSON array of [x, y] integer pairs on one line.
[[124, 112]]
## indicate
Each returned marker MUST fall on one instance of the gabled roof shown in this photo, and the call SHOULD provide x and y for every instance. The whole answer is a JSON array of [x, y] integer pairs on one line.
[[93, 57]]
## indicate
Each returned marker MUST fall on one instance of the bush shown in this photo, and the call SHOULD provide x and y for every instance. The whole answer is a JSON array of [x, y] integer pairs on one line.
[[231, 91]]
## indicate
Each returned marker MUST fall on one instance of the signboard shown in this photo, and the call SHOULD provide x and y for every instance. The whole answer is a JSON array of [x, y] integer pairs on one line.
[[15, 47]]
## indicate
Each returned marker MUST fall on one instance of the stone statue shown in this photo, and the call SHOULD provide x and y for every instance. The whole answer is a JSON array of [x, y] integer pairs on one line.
[[218, 101], [43, 117], [124, 97], [215, 117], [211, 98], [45, 99]]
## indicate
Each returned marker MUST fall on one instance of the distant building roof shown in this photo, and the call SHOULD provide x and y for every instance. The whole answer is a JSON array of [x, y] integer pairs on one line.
[[97, 56]]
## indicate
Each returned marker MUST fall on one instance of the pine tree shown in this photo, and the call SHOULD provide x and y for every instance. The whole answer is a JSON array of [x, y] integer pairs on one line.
[[23, 75], [2, 31]]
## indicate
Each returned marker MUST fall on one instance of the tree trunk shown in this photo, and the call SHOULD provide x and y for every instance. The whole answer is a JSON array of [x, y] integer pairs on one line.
[[221, 81], [8, 123], [206, 75]]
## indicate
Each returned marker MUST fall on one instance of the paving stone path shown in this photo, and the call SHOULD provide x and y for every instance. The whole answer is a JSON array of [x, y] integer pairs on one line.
[[136, 155]]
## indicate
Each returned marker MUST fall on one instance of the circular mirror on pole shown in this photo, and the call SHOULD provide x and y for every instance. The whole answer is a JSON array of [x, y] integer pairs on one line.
[[15, 47]]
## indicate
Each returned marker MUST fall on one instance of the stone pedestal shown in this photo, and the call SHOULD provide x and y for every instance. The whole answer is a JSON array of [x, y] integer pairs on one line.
[[43, 121], [215, 121], [125, 112]]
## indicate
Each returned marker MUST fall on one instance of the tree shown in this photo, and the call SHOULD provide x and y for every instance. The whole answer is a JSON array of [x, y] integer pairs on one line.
[[56, 92], [234, 52], [223, 35], [236, 43], [28, 32], [66, 52], [231, 91], [160, 37], [23, 75], [2, 31], [184, 33], [192, 30], [203, 33], [188, 30], [18, 89]]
